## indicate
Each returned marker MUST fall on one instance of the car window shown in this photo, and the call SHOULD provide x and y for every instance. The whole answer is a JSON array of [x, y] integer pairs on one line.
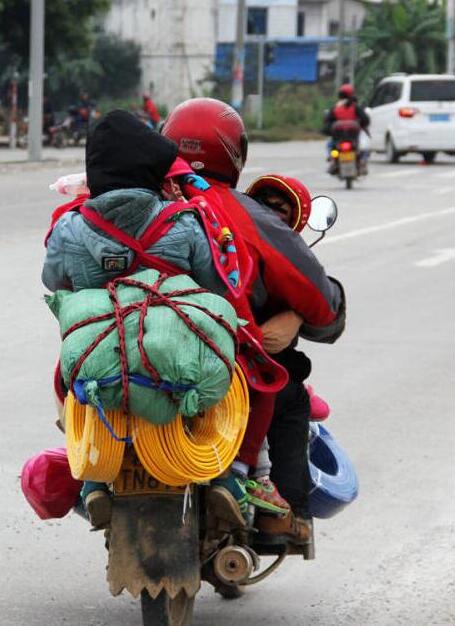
[[431, 90], [386, 94], [378, 96], [393, 92]]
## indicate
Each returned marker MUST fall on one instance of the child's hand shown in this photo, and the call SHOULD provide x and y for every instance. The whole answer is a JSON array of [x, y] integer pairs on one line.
[[279, 331]]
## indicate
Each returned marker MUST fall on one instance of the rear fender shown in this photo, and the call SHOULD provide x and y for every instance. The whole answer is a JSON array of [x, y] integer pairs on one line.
[[152, 548]]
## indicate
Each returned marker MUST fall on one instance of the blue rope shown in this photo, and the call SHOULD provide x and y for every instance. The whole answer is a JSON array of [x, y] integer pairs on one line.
[[103, 418], [167, 386]]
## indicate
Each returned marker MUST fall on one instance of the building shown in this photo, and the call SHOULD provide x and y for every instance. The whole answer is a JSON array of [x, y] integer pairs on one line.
[[289, 18], [178, 40], [184, 41]]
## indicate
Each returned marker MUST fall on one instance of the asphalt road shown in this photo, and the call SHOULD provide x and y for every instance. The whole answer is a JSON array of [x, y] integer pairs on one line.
[[388, 559]]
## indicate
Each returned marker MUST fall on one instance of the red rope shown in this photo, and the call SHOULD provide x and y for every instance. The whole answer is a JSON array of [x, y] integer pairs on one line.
[[153, 297]]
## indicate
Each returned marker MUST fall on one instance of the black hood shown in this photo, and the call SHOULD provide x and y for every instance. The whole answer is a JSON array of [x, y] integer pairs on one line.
[[124, 153]]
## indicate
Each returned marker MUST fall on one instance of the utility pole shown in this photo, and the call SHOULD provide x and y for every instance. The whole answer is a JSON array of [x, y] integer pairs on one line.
[[35, 85], [13, 113], [450, 36], [340, 48], [352, 52], [261, 53], [238, 65]]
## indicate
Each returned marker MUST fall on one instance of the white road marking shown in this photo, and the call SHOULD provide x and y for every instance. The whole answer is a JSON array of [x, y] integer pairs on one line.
[[253, 169], [441, 256], [449, 174], [443, 190], [388, 225], [397, 174]]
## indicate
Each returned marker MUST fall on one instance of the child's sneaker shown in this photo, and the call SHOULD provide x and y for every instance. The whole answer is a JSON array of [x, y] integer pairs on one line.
[[262, 492]]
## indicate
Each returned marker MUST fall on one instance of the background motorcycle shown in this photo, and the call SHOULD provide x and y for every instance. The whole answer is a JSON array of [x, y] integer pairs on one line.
[[345, 155]]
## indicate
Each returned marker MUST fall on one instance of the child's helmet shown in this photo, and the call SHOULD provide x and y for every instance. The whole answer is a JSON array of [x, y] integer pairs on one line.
[[210, 136], [295, 192]]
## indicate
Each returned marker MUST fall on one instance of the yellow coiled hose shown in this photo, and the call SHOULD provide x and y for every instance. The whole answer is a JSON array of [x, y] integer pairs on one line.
[[199, 449], [93, 454], [178, 453]]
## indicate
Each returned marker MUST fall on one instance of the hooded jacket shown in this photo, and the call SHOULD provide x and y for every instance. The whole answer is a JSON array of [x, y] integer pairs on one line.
[[126, 164]]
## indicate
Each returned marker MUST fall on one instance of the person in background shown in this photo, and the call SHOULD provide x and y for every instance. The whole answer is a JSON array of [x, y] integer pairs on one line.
[[151, 111]]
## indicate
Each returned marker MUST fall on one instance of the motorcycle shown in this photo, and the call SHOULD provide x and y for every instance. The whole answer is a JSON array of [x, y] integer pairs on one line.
[[163, 540], [58, 135], [72, 130], [346, 160]]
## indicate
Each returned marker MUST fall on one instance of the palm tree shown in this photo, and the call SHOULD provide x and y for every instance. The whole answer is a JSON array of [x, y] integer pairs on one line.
[[404, 36]]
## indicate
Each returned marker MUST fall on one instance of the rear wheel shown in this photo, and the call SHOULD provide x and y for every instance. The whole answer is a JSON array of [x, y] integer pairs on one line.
[[391, 153], [348, 183], [165, 611], [429, 157]]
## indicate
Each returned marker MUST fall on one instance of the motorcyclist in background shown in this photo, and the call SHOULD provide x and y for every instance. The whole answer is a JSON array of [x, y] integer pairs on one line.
[[287, 278], [348, 109]]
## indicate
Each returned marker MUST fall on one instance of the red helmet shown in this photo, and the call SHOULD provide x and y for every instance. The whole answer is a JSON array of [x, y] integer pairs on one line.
[[211, 137], [295, 192], [346, 91]]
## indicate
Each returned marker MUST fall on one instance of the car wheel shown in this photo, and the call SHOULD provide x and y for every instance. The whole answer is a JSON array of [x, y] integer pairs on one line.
[[429, 157], [391, 153]]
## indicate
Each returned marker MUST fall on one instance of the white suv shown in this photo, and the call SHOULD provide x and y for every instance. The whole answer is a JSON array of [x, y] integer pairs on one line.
[[413, 113]]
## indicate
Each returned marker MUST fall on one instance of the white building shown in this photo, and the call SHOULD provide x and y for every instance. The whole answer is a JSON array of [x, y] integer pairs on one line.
[[289, 18], [179, 37]]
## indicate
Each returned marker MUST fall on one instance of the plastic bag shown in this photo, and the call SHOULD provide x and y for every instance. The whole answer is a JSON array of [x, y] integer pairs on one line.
[[71, 185], [47, 484], [364, 142]]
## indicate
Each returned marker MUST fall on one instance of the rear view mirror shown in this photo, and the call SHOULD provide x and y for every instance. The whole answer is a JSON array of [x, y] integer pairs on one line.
[[324, 212]]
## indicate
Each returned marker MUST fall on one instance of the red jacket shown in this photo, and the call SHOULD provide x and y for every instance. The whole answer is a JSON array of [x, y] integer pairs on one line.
[[286, 274], [151, 110]]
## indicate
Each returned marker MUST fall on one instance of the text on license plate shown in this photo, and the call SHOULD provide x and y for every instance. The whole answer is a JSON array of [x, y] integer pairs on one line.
[[133, 479], [439, 117], [347, 156]]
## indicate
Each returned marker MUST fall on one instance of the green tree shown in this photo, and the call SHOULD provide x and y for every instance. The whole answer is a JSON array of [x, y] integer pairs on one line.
[[68, 27], [69, 33], [112, 71], [405, 36]]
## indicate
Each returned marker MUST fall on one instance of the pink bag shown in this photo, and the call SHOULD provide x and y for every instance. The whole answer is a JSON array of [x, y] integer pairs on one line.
[[47, 484]]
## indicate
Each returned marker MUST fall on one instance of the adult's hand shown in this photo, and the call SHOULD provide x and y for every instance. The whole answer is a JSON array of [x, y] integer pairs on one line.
[[279, 331]]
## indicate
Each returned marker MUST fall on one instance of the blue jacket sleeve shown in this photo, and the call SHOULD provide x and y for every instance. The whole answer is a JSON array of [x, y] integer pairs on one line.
[[53, 274]]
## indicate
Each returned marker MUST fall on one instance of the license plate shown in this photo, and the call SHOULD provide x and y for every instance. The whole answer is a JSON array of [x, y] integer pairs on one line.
[[347, 156], [134, 480], [439, 117]]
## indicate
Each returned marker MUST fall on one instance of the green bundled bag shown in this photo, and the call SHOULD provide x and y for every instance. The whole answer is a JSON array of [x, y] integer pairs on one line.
[[192, 376]]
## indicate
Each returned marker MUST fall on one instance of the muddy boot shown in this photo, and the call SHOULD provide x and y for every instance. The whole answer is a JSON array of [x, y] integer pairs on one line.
[[284, 529], [98, 505]]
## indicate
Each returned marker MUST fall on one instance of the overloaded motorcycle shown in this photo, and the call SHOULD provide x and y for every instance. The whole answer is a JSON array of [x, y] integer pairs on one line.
[[346, 159], [164, 538]]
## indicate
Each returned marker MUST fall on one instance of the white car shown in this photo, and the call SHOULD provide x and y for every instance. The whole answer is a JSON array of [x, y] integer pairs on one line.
[[413, 113]]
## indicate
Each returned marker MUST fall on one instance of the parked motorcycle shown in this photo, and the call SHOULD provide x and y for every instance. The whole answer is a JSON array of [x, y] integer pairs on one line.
[[346, 160], [59, 135]]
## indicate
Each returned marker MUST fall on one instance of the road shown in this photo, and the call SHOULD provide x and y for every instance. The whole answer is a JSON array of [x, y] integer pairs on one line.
[[388, 559]]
